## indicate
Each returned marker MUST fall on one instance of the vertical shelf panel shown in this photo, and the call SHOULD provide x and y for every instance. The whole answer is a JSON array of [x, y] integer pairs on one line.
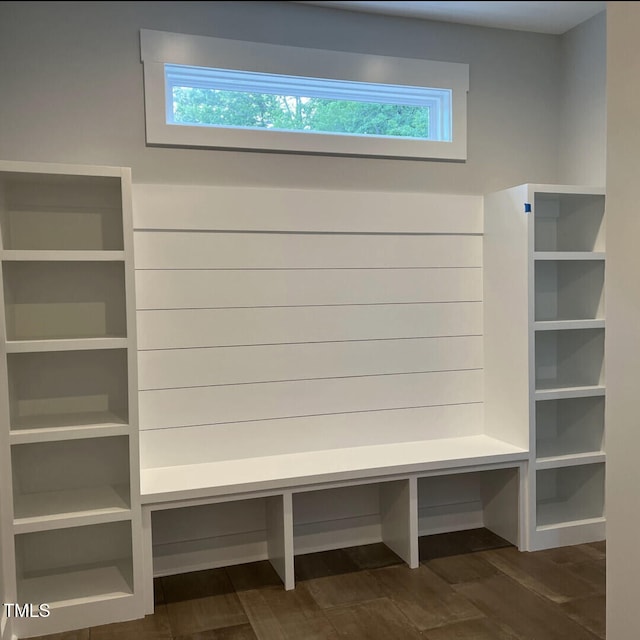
[[279, 512], [399, 514]]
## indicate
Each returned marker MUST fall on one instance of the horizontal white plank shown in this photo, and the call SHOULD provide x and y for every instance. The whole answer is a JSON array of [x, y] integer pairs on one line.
[[208, 443], [208, 553], [84, 430], [41, 511], [268, 472], [170, 368], [570, 460], [562, 325], [200, 289], [61, 256], [219, 327], [39, 168], [569, 255], [67, 588], [160, 409], [242, 208], [65, 344], [561, 393], [208, 250]]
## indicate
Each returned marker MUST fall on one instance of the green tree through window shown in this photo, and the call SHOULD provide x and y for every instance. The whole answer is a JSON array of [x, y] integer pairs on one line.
[[214, 107]]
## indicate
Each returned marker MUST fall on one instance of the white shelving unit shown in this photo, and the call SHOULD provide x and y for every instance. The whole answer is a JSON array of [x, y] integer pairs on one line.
[[545, 261], [71, 530]]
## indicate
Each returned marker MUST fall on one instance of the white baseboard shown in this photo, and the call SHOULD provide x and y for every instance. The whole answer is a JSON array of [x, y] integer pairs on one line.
[[209, 553], [337, 534], [450, 517]]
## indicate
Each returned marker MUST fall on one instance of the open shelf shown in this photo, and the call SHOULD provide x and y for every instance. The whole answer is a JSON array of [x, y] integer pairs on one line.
[[65, 344], [61, 212], [570, 494], [569, 427], [225, 534], [58, 300], [571, 358], [85, 429], [67, 388], [75, 565], [470, 500], [346, 516], [569, 290], [569, 222], [61, 480]]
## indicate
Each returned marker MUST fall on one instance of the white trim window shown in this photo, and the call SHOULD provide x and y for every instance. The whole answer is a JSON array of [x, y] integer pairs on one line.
[[217, 93]]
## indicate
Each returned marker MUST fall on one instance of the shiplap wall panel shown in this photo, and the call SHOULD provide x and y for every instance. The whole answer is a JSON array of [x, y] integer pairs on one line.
[[212, 443], [257, 209], [174, 368], [210, 250], [254, 401], [255, 305], [181, 328], [198, 289]]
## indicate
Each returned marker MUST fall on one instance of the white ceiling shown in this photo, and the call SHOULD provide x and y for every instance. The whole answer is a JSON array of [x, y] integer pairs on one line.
[[541, 17]]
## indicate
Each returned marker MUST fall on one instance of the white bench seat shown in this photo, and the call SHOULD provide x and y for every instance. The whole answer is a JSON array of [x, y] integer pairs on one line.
[[225, 477]]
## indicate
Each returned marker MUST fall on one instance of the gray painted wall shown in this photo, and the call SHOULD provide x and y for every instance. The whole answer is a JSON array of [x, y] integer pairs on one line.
[[583, 111], [72, 91], [623, 309]]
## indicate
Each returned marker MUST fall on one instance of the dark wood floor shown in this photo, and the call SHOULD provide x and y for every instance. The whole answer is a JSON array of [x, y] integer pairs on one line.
[[469, 586]]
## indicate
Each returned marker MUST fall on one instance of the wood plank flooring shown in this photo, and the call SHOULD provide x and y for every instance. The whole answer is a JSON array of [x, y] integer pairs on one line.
[[470, 585]]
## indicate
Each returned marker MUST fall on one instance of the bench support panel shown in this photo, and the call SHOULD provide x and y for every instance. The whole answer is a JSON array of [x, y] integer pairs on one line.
[[399, 518], [280, 537]]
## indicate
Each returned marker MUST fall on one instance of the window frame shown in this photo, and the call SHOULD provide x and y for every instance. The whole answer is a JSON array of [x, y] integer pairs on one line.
[[159, 48]]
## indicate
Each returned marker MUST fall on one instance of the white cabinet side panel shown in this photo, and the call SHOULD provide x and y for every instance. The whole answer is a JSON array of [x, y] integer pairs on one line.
[[506, 316]]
